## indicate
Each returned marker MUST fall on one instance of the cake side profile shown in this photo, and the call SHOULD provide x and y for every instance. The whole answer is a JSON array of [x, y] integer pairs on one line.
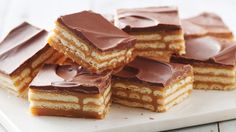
[[213, 62], [152, 85], [157, 30], [93, 42], [206, 24], [22, 54], [70, 90]]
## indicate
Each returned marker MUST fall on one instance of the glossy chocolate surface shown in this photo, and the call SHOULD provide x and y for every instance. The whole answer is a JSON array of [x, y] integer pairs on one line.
[[19, 45], [96, 30], [70, 78], [211, 49], [155, 72], [148, 19], [203, 24]]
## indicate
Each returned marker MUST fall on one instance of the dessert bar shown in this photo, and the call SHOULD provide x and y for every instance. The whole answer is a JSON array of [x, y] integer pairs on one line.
[[70, 90], [152, 85], [22, 53], [157, 30], [92, 41]]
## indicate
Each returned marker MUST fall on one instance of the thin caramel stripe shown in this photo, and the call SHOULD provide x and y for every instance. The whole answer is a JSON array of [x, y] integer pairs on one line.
[[159, 41]]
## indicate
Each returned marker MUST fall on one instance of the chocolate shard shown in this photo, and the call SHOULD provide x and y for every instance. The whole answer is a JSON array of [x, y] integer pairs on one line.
[[72, 78], [96, 30], [19, 45], [206, 24], [148, 19], [155, 72], [211, 49]]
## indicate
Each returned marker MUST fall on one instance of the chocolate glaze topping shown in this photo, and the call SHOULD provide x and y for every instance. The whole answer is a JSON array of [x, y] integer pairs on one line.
[[19, 45], [148, 19], [72, 78], [151, 71], [203, 24], [96, 30], [211, 49]]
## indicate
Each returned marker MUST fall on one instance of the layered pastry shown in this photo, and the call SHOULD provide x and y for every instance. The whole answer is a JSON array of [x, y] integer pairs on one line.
[[23, 51], [92, 41], [152, 85], [213, 62], [157, 30], [206, 24], [70, 90]]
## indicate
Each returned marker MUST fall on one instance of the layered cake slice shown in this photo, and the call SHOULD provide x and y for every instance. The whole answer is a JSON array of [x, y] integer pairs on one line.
[[157, 30], [22, 53], [71, 91], [206, 24], [213, 62], [152, 85], [92, 41]]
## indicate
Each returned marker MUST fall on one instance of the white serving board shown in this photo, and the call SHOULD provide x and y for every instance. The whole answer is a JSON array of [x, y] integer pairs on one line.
[[202, 107]]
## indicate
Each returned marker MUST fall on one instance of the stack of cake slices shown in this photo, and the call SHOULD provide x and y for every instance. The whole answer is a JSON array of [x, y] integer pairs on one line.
[[142, 57]]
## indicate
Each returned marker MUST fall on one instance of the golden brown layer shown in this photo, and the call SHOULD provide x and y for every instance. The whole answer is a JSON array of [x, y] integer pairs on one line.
[[154, 98], [86, 55], [214, 78], [71, 104], [20, 79], [159, 45]]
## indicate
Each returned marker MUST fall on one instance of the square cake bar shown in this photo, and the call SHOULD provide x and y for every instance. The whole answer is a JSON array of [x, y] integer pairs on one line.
[[22, 53], [206, 24], [152, 85], [157, 30], [70, 90], [92, 41], [213, 63]]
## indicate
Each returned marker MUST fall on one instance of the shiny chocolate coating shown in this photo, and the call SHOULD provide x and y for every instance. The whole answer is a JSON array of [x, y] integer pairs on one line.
[[21, 43], [96, 30], [72, 78], [211, 49], [155, 72], [148, 19]]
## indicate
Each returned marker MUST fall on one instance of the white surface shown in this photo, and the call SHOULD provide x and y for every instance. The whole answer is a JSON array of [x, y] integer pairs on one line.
[[203, 128], [43, 13], [202, 107], [228, 126]]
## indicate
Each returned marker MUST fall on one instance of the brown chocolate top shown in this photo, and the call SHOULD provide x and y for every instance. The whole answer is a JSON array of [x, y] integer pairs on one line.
[[148, 19], [70, 78], [96, 30], [211, 49], [155, 72], [20, 44], [203, 24]]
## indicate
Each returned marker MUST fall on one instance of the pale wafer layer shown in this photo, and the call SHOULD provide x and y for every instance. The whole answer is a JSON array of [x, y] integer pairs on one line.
[[149, 97], [70, 104], [214, 78], [159, 45], [19, 81], [86, 55]]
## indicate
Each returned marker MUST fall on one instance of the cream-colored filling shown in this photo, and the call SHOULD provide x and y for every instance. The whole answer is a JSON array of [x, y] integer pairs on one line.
[[173, 88], [94, 108], [56, 105], [175, 95], [170, 38], [146, 37], [171, 104], [214, 79], [139, 89], [148, 45], [52, 97], [87, 59], [214, 71]]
